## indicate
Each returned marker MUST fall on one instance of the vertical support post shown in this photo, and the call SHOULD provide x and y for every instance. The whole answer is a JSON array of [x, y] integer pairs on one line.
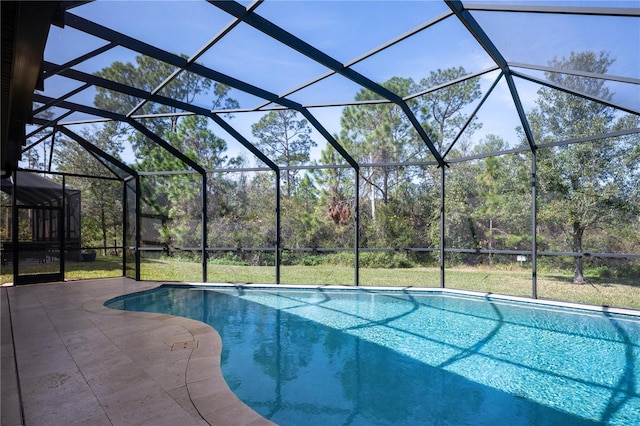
[[534, 224], [356, 260], [62, 221], [442, 225], [278, 225], [79, 222], [137, 215], [14, 225], [125, 223], [53, 140], [204, 227]]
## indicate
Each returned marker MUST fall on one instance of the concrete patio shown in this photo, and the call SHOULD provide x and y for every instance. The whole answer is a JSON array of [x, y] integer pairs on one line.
[[81, 363]]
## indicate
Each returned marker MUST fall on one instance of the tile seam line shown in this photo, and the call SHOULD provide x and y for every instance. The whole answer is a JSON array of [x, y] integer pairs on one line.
[[162, 318], [71, 355], [186, 385], [184, 322], [15, 358]]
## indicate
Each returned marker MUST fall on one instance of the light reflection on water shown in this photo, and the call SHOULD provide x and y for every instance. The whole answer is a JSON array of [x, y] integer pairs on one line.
[[401, 358]]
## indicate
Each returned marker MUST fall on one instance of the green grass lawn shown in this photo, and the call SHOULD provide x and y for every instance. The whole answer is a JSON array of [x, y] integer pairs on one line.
[[101, 268], [557, 286]]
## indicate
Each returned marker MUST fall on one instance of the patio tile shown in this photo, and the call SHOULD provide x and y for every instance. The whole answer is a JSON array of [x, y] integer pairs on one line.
[[60, 397], [181, 396], [169, 374], [82, 363], [48, 359]]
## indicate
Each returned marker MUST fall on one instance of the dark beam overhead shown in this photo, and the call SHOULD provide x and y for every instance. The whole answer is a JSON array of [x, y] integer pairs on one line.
[[25, 27], [576, 93], [94, 149], [147, 96], [283, 36], [159, 54], [558, 10]]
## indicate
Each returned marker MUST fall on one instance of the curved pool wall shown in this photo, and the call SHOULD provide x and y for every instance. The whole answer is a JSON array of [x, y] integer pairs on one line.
[[326, 355]]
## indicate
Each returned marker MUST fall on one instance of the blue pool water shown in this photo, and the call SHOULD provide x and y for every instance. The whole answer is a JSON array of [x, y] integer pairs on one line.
[[364, 357]]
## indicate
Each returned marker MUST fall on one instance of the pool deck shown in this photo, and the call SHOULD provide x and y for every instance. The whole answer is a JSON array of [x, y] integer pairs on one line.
[[81, 363]]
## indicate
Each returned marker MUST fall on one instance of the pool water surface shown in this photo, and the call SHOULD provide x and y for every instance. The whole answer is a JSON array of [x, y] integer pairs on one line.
[[368, 357]]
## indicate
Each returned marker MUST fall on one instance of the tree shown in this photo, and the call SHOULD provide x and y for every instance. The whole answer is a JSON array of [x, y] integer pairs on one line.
[[380, 133], [147, 74], [442, 109], [101, 199], [581, 187], [286, 140], [336, 199], [442, 115], [175, 200], [503, 186]]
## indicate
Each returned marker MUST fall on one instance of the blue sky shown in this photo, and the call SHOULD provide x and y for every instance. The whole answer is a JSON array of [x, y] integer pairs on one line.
[[346, 30]]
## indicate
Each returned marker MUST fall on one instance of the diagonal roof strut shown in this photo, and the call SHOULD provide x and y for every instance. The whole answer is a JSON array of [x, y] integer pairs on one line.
[[487, 44], [108, 34], [272, 30]]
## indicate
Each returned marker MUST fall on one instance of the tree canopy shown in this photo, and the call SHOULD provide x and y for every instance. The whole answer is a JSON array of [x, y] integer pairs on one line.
[[587, 189], [582, 184]]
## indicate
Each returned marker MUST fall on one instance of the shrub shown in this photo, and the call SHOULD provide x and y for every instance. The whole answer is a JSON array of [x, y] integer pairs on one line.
[[228, 259]]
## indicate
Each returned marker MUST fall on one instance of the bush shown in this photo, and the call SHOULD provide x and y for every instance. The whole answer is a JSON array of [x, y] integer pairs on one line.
[[346, 258], [228, 259], [385, 259], [312, 260]]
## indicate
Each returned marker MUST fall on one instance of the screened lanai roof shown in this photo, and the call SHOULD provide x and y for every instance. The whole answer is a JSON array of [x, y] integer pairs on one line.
[[315, 57], [35, 190]]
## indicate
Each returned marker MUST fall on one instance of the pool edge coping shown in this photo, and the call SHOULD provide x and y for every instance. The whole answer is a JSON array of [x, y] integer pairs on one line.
[[209, 393], [605, 309]]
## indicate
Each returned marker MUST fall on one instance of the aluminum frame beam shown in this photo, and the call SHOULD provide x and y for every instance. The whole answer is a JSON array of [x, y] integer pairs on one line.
[[165, 145], [520, 110], [92, 148], [575, 93], [371, 53], [472, 116], [82, 108], [61, 98], [101, 161], [203, 174], [108, 34], [478, 33], [565, 10], [139, 93], [192, 59], [487, 44], [577, 73], [36, 142], [452, 82], [80, 59], [274, 31]]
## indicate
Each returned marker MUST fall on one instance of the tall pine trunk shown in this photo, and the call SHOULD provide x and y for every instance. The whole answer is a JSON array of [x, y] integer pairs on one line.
[[103, 225], [578, 261]]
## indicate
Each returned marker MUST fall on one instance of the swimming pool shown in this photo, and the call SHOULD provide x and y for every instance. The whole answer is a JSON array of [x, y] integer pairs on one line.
[[404, 357]]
